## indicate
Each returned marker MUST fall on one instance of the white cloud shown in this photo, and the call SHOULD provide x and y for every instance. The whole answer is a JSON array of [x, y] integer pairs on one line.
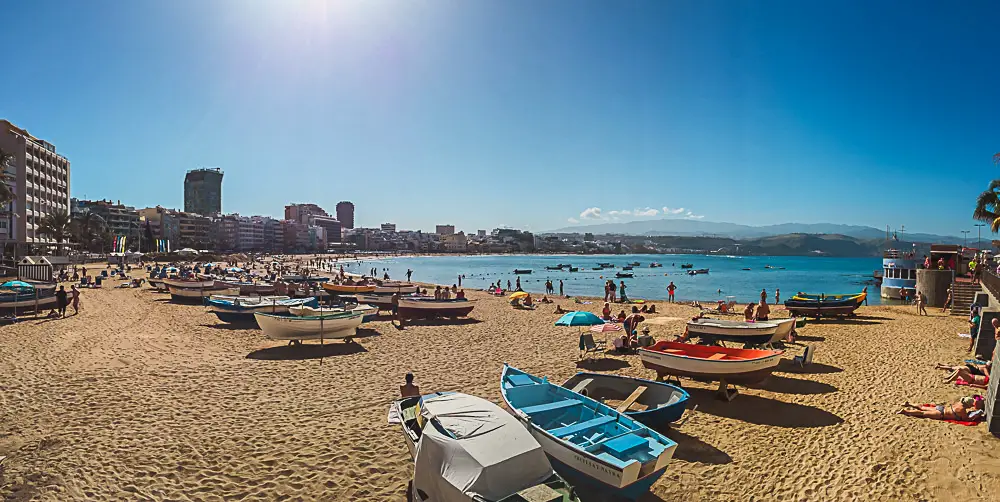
[[616, 213], [573, 220], [591, 213], [693, 216], [646, 212], [667, 210]]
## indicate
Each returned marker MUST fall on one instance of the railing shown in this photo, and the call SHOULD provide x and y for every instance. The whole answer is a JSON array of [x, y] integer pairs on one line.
[[991, 281]]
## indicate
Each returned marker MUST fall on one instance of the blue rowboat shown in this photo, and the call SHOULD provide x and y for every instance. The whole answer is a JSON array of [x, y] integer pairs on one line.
[[241, 310], [589, 443], [656, 404]]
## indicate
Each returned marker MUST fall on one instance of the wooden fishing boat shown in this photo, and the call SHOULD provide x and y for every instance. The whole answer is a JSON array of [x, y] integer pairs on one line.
[[199, 294], [588, 443], [698, 271], [713, 330], [785, 327], [368, 312], [635, 264], [687, 265], [34, 299], [574, 269], [348, 289], [427, 308], [655, 404], [157, 284], [627, 267], [710, 362], [557, 267], [396, 287], [465, 448], [248, 288], [241, 309], [655, 265], [188, 283], [605, 265], [522, 270], [624, 275], [298, 328], [824, 305]]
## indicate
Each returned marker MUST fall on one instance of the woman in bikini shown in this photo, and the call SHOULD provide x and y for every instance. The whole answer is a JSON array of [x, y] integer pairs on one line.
[[967, 408], [980, 378]]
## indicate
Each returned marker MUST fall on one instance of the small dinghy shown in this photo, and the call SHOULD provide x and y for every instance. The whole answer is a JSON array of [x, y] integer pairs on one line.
[[465, 448], [655, 404], [824, 305], [241, 309], [624, 275], [348, 289], [722, 364], [429, 308], [589, 443], [296, 329], [367, 311], [522, 270], [714, 330]]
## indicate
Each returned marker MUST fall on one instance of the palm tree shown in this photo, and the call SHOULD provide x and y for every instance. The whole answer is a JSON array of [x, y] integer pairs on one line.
[[88, 228], [988, 203], [57, 226]]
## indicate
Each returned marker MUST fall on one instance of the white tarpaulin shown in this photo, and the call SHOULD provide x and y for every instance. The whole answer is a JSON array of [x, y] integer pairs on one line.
[[471, 446]]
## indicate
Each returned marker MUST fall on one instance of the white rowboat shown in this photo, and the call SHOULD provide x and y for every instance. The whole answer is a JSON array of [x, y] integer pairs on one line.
[[309, 327]]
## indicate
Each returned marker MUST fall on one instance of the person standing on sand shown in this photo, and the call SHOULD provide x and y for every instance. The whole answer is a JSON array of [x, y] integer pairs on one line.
[[921, 303], [947, 301], [508, 284], [560, 288], [624, 297], [61, 301], [670, 291], [75, 295], [409, 390], [763, 311]]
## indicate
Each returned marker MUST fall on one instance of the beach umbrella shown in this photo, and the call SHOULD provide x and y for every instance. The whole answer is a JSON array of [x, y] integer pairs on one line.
[[234, 269], [606, 328], [519, 294], [16, 285], [579, 319], [171, 269]]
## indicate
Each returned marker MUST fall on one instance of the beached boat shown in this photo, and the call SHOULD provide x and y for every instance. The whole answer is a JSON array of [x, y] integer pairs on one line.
[[426, 308], [824, 305], [713, 330], [248, 288], [388, 288], [687, 265], [199, 294], [348, 289], [655, 404], [27, 296], [368, 312], [241, 309], [465, 448], [157, 283], [188, 283], [714, 363], [785, 327], [589, 443], [297, 328], [522, 270]]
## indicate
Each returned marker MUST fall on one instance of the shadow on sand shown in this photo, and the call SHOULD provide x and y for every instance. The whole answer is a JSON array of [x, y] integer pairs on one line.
[[693, 449], [366, 332], [305, 351], [785, 385], [233, 326], [848, 321], [807, 338], [762, 411], [602, 364], [787, 366]]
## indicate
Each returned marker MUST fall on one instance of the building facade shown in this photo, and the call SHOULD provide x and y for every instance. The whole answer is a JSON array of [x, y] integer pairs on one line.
[[163, 223], [203, 191], [444, 229], [345, 214], [388, 227], [40, 180], [119, 218]]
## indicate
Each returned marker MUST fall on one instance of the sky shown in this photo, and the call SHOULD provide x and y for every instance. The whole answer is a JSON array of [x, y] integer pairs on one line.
[[518, 113]]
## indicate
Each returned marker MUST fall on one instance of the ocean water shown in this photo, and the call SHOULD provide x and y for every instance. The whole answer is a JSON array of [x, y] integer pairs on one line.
[[726, 278]]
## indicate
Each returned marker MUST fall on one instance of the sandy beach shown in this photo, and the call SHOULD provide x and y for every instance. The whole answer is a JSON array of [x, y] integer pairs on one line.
[[138, 398]]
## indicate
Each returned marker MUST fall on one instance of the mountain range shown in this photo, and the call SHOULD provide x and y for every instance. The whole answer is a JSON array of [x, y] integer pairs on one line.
[[685, 227]]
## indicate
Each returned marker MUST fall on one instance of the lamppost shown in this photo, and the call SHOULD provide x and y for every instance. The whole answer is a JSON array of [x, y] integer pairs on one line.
[[979, 240], [966, 232]]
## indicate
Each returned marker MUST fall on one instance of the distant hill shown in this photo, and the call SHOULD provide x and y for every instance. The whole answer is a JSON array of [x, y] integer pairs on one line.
[[683, 227], [774, 245]]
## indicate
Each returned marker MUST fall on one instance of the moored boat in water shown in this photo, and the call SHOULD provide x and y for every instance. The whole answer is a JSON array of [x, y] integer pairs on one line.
[[522, 271], [590, 444]]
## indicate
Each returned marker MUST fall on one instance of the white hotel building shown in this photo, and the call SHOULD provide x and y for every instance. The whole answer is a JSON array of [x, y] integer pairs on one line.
[[39, 178]]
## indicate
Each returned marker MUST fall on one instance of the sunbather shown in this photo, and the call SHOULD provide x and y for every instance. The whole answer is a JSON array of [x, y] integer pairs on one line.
[[979, 379], [968, 408]]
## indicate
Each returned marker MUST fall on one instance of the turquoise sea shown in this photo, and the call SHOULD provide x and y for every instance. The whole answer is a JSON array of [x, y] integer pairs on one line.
[[790, 274]]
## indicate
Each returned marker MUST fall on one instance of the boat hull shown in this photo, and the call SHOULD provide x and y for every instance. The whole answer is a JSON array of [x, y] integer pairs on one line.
[[429, 309], [743, 371], [344, 289], [193, 295], [665, 402], [308, 328], [819, 306], [732, 331], [28, 304], [403, 289]]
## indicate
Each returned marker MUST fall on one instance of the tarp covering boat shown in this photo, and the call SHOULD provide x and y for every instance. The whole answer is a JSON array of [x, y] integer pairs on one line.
[[474, 448]]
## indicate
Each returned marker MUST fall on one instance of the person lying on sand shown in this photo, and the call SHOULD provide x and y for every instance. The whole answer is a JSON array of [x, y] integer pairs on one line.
[[969, 408], [978, 379]]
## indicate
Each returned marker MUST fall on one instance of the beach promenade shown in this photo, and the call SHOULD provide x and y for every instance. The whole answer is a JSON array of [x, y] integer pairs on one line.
[[137, 398]]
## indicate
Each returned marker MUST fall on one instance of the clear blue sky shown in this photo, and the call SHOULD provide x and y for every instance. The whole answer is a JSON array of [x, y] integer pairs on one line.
[[521, 113]]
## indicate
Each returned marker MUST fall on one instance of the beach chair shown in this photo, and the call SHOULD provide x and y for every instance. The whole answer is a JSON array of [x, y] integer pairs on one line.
[[805, 358], [588, 345]]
